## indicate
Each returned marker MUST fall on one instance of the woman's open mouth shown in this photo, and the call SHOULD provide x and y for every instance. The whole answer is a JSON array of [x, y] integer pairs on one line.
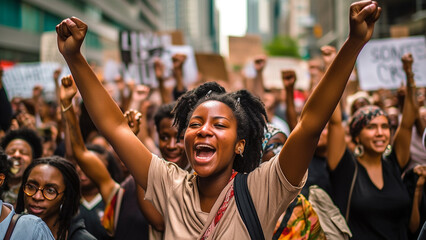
[[204, 152]]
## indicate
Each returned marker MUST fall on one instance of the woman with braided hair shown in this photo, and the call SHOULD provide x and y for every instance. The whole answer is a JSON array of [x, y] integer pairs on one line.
[[222, 134]]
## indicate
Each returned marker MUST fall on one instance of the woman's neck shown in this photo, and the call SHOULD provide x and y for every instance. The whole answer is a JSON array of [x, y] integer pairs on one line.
[[210, 188], [370, 159], [89, 194], [54, 228]]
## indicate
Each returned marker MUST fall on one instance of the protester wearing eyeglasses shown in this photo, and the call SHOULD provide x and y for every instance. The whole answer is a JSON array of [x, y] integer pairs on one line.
[[26, 226], [51, 190]]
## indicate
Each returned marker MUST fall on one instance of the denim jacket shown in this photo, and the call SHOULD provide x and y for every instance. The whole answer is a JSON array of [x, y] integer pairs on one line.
[[27, 227]]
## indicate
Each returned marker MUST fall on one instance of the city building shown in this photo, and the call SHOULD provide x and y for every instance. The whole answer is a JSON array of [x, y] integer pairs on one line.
[[331, 20], [197, 19], [23, 22]]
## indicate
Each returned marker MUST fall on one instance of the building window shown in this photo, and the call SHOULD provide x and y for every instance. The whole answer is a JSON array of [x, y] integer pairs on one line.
[[10, 13]]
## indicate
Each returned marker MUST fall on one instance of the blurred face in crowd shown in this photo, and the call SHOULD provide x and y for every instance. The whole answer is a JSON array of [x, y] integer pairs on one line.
[[358, 103], [315, 70], [375, 136], [274, 146], [170, 149], [420, 96], [49, 148], [49, 179], [21, 153], [85, 183], [269, 99], [422, 112], [393, 113]]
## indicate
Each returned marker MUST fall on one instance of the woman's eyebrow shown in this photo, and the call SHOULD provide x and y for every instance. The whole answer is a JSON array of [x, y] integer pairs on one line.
[[33, 182]]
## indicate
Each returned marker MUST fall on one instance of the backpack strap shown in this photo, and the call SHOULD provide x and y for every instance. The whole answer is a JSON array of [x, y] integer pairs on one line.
[[348, 206], [285, 219], [246, 207], [12, 224]]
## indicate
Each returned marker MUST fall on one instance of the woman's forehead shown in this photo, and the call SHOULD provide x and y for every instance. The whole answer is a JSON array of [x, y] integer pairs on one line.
[[214, 108], [45, 173]]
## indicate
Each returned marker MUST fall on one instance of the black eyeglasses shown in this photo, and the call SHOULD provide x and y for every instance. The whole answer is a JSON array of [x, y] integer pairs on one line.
[[50, 193]]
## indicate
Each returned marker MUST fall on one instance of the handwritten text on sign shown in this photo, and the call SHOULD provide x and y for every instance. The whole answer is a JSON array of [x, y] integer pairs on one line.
[[379, 63]]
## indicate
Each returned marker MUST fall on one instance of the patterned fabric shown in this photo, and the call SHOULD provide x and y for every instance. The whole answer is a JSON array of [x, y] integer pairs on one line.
[[229, 195], [362, 118], [112, 209], [271, 131], [302, 224]]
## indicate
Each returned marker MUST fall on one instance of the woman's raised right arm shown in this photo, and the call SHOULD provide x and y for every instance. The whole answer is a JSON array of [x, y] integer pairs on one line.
[[102, 109]]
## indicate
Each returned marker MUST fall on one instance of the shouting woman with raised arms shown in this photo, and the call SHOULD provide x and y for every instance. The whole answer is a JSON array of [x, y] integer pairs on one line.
[[222, 134]]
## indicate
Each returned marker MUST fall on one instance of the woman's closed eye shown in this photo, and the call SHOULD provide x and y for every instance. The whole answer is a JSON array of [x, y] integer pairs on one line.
[[194, 124]]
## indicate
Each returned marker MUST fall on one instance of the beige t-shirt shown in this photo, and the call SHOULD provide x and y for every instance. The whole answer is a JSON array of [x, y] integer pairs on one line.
[[175, 194]]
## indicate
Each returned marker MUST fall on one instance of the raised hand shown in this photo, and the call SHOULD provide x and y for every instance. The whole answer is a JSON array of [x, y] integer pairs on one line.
[[37, 91], [407, 62], [289, 78], [141, 93], [363, 15], [71, 33], [159, 69], [68, 90], [178, 60], [133, 118], [56, 74], [259, 63], [26, 120], [328, 55], [421, 171]]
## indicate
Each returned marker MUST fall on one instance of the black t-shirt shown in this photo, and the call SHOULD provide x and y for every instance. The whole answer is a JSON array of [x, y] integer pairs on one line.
[[318, 175], [374, 213], [131, 222]]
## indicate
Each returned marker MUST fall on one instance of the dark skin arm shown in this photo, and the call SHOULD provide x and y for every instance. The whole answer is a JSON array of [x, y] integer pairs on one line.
[[153, 216], [178, 61], [298, 150], [89, 162], [336, 132], [259, 66], [159, 75], [418, 193], [410, 111], [289, 79], [102, 109]]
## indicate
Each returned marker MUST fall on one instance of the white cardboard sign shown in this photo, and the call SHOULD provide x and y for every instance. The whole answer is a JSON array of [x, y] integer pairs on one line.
[[379, 63]]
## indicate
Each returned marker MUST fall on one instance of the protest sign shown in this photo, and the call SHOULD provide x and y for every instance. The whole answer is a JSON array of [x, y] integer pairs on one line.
[[139, 50], [242, 49], [49, 48], [176, 37], [212, 66], [20, 79], [379, 63], [273, 68], [398, 31]]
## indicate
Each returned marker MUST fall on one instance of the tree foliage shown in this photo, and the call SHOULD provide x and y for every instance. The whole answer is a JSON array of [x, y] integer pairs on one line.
[[283, 46]]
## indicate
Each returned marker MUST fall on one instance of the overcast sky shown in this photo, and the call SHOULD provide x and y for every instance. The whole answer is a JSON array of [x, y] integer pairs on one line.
[[232, 20]]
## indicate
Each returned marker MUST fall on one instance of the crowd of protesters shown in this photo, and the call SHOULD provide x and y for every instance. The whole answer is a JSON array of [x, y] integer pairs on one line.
[[190, 162]]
